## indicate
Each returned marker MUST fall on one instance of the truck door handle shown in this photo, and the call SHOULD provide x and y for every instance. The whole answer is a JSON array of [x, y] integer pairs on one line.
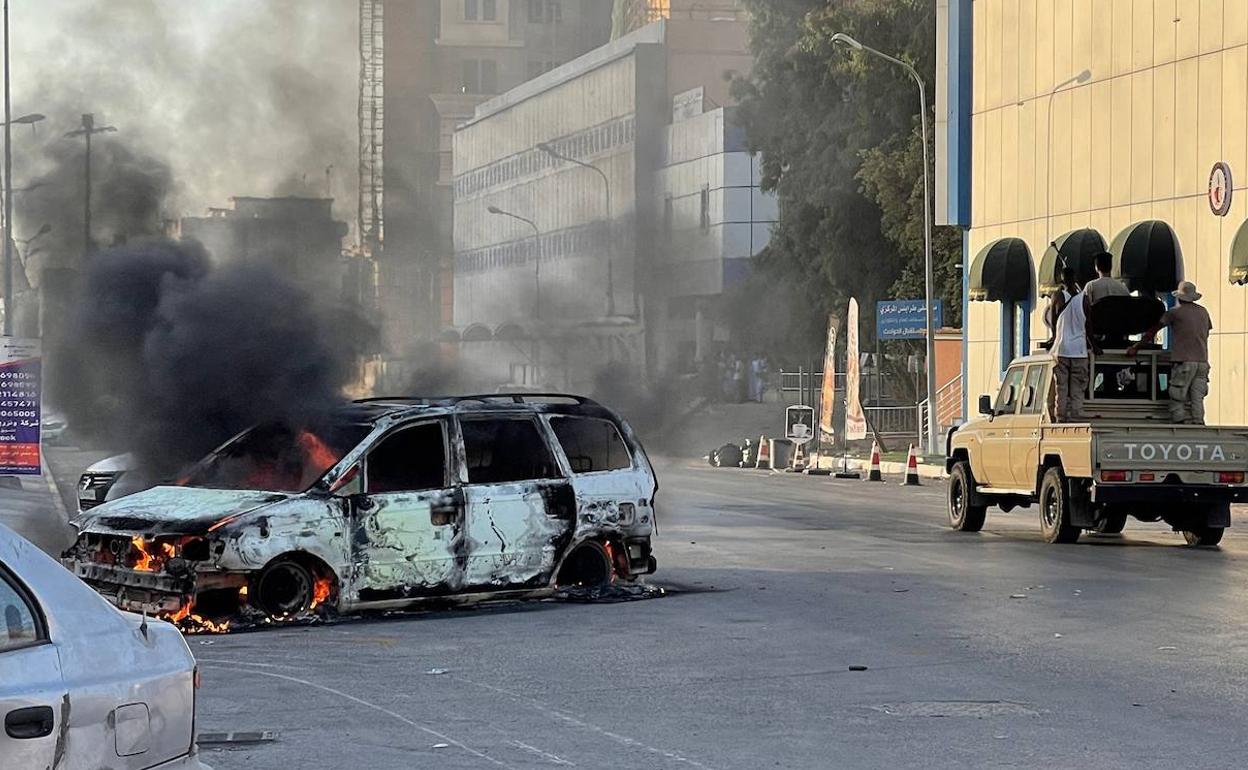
[[32, 722]]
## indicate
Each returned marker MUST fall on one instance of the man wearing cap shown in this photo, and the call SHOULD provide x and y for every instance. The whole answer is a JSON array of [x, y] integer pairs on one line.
[[1189, 354]]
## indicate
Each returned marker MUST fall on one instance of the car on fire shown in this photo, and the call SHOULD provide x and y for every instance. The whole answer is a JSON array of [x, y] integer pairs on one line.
[[382, 504], [83, 685]]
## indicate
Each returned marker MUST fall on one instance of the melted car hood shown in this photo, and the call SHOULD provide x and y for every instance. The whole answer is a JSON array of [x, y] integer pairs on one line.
[[177, 510]]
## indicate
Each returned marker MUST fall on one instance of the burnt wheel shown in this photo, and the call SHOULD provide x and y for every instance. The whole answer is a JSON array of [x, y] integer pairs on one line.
[[284, 589], [1055, 524], [963, 516], [1203, 536], [588, 566]]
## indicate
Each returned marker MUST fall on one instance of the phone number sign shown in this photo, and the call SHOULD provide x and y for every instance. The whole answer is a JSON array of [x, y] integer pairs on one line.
[[21, 379]]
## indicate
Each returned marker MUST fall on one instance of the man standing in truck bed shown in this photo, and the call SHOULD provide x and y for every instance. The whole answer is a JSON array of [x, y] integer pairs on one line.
[[1189, 355]]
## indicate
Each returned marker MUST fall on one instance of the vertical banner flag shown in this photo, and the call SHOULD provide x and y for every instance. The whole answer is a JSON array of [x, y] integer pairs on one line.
[[827, 396], [855, 420], [20, 391]]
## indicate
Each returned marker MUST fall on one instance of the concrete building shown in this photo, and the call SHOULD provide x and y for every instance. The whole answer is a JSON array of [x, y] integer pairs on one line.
[[443, 58], [640, 205], [297, 236], [1145, 154]]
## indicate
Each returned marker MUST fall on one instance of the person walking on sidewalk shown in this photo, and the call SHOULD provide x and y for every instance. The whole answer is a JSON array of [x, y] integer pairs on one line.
[[1189, 354], [1070, 348]]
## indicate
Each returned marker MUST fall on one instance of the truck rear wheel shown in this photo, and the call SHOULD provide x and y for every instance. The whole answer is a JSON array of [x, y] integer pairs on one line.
[[1203, 536], [1111, 521], [1055, 524], [963, 516]]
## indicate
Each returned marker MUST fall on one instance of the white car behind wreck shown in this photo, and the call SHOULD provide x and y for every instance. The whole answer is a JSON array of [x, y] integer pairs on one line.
[[380, 505]]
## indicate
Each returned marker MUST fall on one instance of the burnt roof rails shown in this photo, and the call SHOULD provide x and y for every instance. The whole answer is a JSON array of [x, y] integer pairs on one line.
[[515, 398]]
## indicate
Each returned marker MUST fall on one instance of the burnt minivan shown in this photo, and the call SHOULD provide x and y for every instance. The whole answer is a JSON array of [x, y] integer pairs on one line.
[[383, 504]]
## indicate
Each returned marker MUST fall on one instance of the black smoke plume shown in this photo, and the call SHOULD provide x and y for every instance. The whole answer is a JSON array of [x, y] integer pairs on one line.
[[169, 354]]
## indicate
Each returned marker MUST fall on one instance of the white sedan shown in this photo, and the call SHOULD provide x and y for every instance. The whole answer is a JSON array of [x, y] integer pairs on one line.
[[84, 686]]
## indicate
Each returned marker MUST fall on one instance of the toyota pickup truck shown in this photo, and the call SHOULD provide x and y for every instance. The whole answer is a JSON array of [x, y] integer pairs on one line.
[[1128, 459]]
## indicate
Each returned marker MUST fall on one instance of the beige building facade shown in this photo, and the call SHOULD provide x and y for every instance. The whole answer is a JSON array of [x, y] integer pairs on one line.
[[1124, 117]]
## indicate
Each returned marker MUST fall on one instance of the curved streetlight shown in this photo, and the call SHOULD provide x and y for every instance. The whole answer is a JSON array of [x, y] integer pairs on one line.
[[1079, 79], [846, 41], [537, 261], [88, 130], [550, 150]]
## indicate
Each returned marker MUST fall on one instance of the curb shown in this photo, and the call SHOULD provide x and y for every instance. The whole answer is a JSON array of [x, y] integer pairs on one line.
[[926, 471]]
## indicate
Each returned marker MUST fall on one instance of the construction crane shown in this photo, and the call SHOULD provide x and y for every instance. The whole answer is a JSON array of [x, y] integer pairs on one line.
[[372, 117]]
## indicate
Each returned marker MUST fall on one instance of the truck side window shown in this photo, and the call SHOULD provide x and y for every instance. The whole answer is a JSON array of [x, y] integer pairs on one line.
[[409, 460], [1033, 393], [591, 444], [499, 451], [1011, 389]]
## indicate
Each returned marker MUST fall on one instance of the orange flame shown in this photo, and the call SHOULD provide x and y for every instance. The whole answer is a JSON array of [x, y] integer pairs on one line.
[[149, 559], [190, 623], [320, 591], [318, 453], [144, 562]]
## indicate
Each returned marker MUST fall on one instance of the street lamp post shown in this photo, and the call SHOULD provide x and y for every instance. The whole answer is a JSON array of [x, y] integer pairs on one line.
[[550, 150], [849, 42], [1081, 78], [537, 261], [88, 130]]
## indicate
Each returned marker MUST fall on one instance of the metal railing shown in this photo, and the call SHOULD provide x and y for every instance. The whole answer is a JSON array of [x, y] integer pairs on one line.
[[894, 421]]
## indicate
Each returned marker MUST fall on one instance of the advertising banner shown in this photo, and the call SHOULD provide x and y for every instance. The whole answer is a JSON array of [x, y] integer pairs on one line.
[[827, 396], [20, 391], [855, 420]]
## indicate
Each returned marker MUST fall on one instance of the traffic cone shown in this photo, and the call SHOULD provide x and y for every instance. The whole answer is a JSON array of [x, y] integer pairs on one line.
[[874, 474], [764, 453], [912, 469]]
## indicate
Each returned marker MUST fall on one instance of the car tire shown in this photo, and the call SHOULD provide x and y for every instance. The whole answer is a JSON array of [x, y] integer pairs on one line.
[[963, 516], [284, 589], [1055, 526], [1203, 536]]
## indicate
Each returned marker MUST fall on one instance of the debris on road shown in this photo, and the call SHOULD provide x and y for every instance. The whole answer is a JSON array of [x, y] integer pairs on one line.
[[857, 668]]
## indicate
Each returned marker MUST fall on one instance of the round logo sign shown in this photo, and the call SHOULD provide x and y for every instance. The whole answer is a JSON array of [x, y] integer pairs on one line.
[[1220, 189]]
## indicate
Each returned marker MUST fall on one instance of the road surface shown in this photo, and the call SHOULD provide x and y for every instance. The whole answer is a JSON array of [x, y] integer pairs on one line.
[[980, 650]]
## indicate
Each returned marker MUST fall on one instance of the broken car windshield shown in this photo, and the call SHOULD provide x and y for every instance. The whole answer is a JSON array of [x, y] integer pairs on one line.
[[279, 458]]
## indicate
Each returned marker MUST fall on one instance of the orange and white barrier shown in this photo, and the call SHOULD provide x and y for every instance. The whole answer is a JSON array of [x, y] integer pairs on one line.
[[874, 474], [912, 469]]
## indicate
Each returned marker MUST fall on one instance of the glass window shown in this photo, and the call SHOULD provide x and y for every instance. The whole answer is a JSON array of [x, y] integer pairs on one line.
[[537, 11], [278, 457], [591, 445], [554, 11], [470, 10], [1033, 395], [20, 626], [489, 10], [409, 460], [499, 451], [1007, 398]]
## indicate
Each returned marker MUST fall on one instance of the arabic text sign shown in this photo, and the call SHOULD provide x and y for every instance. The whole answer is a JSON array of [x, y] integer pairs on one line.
[[905, 319], [20, 386]]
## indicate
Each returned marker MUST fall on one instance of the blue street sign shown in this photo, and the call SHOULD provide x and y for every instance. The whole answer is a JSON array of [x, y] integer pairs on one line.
[[905, 319]]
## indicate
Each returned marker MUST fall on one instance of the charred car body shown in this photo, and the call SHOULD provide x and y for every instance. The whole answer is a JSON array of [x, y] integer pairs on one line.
[[382, 504]]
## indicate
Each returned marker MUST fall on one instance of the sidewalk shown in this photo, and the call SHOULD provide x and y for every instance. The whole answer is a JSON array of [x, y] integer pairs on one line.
[[927, 468], [36, 512]]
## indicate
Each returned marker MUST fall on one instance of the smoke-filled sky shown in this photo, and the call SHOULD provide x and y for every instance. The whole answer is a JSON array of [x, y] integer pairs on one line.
[[237, 97]]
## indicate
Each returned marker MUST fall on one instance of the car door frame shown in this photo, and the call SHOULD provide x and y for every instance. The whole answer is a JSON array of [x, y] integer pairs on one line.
[[40, 657], [997, 435], [390, 530], [538, 523], [1025, 443]]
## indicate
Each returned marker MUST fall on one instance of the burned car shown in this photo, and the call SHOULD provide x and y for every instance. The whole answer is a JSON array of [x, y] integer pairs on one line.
[[382, 504]]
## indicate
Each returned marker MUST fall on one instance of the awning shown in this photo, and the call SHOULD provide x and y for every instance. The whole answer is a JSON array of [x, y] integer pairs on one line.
[[1076, 249], [1239, 255], [1001, 272], [1147, 257]]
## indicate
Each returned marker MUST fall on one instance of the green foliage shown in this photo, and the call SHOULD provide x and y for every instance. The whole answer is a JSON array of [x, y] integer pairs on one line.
[[839, 141]]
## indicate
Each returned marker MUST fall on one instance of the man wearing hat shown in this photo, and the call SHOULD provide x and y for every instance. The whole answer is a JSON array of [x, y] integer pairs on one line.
[[1189, 354]]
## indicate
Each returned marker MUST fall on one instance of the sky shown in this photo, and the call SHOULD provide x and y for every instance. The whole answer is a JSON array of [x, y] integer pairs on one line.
[[238, 97]]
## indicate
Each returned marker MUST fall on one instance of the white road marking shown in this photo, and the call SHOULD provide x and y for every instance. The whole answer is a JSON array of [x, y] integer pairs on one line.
[[381, 709], [560, 716], [546, 755]]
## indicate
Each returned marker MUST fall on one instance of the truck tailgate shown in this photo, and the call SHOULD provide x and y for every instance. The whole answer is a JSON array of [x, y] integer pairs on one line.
[[1171, 448]]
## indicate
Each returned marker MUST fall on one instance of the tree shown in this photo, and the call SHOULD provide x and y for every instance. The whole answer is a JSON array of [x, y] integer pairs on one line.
[[839, 146]]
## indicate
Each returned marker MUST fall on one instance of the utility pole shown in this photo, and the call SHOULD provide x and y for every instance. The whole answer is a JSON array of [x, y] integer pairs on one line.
[[88, 130]]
